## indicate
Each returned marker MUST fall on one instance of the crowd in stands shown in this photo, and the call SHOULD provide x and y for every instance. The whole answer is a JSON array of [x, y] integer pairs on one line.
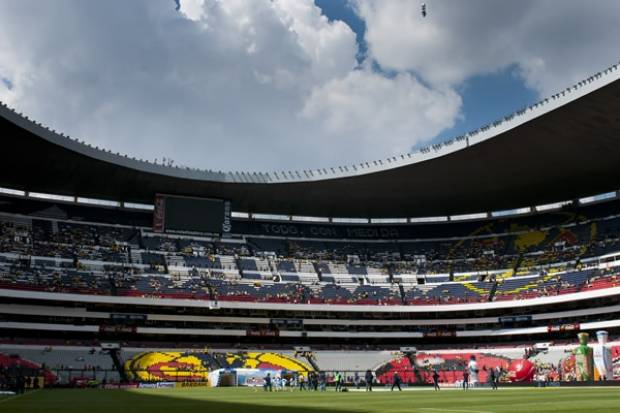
[[62, 256]]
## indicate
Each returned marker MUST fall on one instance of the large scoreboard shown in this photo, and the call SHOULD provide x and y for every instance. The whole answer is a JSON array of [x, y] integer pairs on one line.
[[181, 213]]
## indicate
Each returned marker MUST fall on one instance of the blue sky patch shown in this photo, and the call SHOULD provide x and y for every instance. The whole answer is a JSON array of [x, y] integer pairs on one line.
[[487, 98], [7, 83], [342, 10]]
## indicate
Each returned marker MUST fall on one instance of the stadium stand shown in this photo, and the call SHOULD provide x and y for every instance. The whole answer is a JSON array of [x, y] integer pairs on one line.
[[55, 255]]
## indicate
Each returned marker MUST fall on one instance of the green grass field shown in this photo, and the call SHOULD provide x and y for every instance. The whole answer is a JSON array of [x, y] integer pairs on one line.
[[530, 400]]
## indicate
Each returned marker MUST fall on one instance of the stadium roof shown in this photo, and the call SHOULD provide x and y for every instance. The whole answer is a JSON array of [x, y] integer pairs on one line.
[[562, 148]]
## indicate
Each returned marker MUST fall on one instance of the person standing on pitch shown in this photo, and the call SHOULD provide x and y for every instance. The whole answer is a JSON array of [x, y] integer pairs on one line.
[[466, 379], [436, 380], [492, 378], [396, 382], [473, 370], [338, 381], [302, 385], [267, 386], [369, 378], [277, 383], [322, 381]]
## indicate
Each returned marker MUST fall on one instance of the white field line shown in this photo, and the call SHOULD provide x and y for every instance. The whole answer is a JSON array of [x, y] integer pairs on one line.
[[18, 396]]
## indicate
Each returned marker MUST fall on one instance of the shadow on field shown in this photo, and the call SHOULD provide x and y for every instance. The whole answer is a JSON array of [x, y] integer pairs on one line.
[[122, 401], [243, 403]]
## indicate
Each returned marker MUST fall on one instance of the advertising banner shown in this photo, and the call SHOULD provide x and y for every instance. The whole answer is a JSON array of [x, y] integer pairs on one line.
[[185, 384], [111, 386], [254, 377]]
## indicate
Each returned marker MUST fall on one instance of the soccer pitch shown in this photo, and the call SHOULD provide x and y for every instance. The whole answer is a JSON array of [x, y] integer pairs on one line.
[[243, 400]]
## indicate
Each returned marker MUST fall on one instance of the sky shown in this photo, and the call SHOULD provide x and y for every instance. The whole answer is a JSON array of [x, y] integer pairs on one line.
[[269, 85]]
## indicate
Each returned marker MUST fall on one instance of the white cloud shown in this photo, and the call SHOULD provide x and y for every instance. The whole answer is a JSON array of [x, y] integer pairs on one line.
[[381, 112], [193, 9], [226, 85], [331, 47], [554, 43]]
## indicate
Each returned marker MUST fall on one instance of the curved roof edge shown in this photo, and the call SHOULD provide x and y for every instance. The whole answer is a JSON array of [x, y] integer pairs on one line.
[[582, 88]]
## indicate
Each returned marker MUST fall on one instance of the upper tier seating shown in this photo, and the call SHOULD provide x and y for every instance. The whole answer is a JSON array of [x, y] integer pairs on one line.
[[57, 255]]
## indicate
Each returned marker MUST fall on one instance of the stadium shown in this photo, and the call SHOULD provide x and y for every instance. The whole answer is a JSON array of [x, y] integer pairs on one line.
[[490, 260]]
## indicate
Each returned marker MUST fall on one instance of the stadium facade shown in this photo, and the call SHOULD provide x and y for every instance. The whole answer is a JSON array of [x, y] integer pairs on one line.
[[495, 238]]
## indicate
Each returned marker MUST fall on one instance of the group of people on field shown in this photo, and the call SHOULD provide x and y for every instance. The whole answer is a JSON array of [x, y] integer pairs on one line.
[[318, 381], [278, 383], [313, 382]]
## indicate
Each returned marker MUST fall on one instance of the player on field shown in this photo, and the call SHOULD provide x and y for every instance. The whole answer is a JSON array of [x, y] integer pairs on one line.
[[396, 380], [322, 381], [466, 379], [369, 379], [267, 386], [277, 383], [338, 381]]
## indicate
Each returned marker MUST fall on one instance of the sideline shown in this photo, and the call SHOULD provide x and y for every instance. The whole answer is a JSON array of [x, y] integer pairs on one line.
[[19, 395]]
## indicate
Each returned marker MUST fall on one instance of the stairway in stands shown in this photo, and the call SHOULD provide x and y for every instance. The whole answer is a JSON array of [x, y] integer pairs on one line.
[[135, 256], [390, 270], [228, 263], [237, 263], [274, 269], [492, 291], [518, 263], [119, 364], [402, 293], [175, 260], [317, 270]]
